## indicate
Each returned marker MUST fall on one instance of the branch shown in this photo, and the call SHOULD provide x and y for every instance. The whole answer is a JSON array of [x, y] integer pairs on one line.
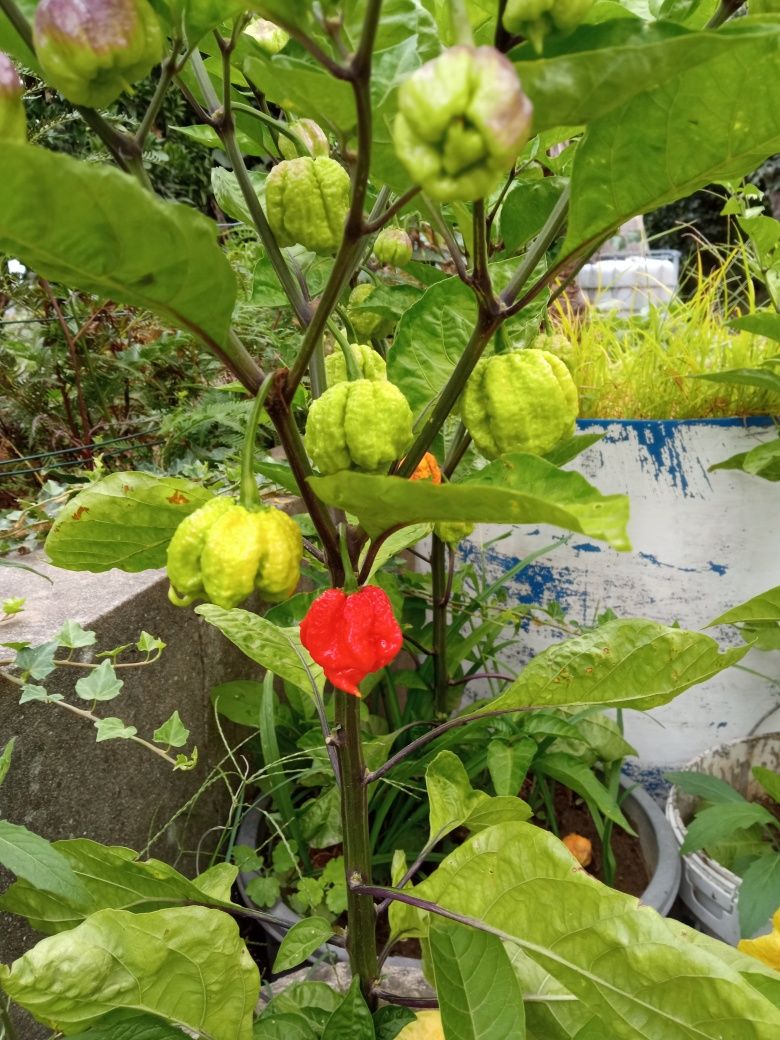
[[349, 249], [435, 217], [168, 70], [370, 227]]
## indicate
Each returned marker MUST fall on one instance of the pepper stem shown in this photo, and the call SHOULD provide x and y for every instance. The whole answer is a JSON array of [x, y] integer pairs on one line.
[[249, 497], [353, 370], [350, 579]]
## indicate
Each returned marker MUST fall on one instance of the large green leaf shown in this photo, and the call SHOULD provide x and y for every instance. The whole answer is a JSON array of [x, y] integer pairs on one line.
[[302, 939], [38, 863], [125, 520], [664, 143], [277, 649], [629, 662], [623, 961], [351, 1020], [453, 802], [477, 989], [515, 489], [718, 823], [763, 607], [104, 877], [575, 775], [762, 461], [761, 323], [188, 965], [94, 228]]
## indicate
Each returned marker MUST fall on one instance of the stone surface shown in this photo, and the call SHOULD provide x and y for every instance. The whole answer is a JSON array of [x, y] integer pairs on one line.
[[406, 982], [62, 784]]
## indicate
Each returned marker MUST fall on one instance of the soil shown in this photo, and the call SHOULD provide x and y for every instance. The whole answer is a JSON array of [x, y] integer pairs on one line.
[[573, 818]]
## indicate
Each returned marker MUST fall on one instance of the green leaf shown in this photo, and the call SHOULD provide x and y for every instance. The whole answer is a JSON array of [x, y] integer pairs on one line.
[[285, 1026], [603, 736], [73, 636], [129, 1025], [37, 661], [228, 194], [454, 803], [573, 774], [102, 684], [650, 150], [770, 781], [762, 378], [763, 607], [147, 643], [217, 881], [113, 729], [508, 763], [761, 461], [515, 489], [107, 877], [321, 820], [172, 733], [712, 825], [277, 649], [239, 701], [264, 891], [36, 861], [5, 759], [761, 323], [526, 208], [702, 785], [478, 992], [31, 692], [624, 962], [133, 247], [390, 1020], [306, 996], [302, 940], [570, 449], [188, 965], [627, 662], [759, 894], [125, 520], [351, 1020]]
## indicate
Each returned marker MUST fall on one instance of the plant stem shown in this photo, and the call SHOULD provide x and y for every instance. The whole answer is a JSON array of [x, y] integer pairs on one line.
[[440, 598], [279, 410], [460, 23], [726, 9], [9, 1032], [249, 496], [370, 227], [168, 70], [350, 248], [486, 325], [361, 929], [457, 450]]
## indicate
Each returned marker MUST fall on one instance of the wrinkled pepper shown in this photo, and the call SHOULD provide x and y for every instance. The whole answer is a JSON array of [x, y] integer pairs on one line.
[[534, 19], [307, 201], [462, 121], [365, 322], [365, 424], [223, 552], [522, 401], [312, 137], [93, 50], [393, 247], [351, 635]]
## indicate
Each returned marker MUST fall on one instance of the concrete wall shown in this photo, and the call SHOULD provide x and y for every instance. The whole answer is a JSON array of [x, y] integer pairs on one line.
[[62, 783]]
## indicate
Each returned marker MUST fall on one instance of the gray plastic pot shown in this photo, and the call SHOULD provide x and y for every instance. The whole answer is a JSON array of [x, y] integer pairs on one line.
[[658, 844]]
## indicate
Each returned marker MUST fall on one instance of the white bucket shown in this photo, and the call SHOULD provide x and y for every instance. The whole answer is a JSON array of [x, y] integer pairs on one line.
[[631, 284], [702, 542], [709, 890]]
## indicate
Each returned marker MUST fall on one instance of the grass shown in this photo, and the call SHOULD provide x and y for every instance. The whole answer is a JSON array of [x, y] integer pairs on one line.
[[641, 368]]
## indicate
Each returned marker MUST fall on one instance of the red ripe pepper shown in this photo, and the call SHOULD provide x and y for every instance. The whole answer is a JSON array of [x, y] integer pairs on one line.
[[351, 635]]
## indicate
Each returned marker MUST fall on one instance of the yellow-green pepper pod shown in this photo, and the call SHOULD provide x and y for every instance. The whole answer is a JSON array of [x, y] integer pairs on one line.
[[370, 363], [185, 550]]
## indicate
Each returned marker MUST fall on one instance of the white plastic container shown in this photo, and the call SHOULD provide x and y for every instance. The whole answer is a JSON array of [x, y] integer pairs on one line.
[[709, 890], [702, 543], [631, 284]]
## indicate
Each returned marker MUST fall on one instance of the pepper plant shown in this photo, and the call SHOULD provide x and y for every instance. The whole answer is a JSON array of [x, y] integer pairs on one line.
[[512, 138]]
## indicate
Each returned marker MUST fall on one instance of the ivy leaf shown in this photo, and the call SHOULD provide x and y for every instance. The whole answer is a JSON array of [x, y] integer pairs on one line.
[[73, 636], [101, 684], [172, 733], [31, 692], [37, 661], [113, 729], [147, 643]]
